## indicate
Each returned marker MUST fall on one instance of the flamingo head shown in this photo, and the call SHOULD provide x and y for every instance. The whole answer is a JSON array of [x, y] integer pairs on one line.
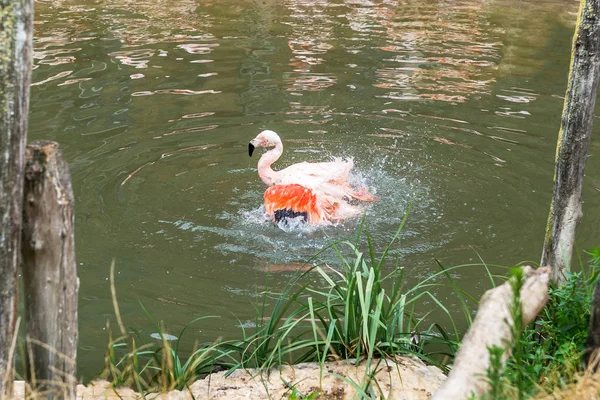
[[264, 139]]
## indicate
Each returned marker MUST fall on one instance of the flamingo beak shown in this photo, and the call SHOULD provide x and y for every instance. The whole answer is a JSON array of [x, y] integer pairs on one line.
[[250, 149]]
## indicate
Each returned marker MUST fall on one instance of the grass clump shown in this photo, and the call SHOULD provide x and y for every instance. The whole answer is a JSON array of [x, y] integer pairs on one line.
[[149, 367], [548, 355], [364, 313], [152, 367]]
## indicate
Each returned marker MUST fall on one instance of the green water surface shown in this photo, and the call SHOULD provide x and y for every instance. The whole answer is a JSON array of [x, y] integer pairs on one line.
[[452, 105]]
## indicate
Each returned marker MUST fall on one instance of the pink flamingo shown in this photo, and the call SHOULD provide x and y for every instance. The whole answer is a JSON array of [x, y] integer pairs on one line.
[[317, 192]]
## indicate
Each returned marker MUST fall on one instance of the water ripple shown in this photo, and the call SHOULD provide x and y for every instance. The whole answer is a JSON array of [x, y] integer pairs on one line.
[[52, 78], [185, 92]]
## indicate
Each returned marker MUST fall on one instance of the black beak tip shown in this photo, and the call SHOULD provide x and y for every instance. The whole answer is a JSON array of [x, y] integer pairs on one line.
[[250, 149]]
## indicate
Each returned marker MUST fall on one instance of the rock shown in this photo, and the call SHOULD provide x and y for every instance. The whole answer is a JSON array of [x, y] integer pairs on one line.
[[407, 378]]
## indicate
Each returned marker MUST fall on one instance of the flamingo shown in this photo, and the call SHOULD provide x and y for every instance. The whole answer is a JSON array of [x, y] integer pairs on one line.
[[316, 192]]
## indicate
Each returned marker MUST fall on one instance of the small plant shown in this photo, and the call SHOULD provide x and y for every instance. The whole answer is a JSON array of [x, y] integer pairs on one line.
[[358, 317], [151, 367], [296, 395], [548, 353], [516, 312], [495, 374], [131, 362], [553, 346], [122, 364], [277, 338]]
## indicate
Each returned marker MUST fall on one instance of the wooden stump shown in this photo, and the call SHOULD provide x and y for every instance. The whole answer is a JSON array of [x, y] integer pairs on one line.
[[49, 272], [16, 32]]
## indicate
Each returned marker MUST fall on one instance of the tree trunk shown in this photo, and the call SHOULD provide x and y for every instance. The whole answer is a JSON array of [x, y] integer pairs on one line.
[[49, 272], [492, 327], [16, 29], [573, 141]]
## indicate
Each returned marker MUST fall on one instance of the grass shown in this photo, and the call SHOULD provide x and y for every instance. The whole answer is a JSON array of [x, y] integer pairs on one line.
[[147, 366], [548, 355]]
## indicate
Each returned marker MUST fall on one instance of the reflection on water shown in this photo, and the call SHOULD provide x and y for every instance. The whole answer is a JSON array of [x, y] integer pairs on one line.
[[445, 53], [452, 107]]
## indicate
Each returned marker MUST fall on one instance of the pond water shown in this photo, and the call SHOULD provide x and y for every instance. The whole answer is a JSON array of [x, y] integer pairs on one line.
[[451, 105]]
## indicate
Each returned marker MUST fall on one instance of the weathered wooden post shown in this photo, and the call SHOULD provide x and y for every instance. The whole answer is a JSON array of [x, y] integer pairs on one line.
[[49, 272], [16, 32], [573, 140]]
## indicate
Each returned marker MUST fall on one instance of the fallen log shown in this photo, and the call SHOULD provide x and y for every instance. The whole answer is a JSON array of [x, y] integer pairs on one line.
[[493, 327]]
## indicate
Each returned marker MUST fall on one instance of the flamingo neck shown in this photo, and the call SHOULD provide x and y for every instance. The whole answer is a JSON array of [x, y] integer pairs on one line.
[[265, 172]]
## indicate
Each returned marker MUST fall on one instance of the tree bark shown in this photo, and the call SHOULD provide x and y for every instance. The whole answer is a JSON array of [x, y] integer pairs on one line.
[[492, 327], [573, 141], [16, 32], [49, 272]]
